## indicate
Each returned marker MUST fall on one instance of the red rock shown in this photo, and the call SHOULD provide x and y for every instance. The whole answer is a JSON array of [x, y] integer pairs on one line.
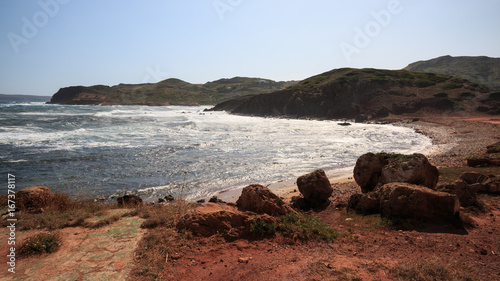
[[261, 200], [218, 218], [374, 170], [315, 187], [368, 170], [408, 200]]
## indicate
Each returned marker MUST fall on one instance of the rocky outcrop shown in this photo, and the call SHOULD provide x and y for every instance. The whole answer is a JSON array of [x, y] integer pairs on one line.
[[374, 170], [128, 200], [217, 218], [261, 200], [413, 201], [315, 187], [33, 198], [407, 201], [483, 161]]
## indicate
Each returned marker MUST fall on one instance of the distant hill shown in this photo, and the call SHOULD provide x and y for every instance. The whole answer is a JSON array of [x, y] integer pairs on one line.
[[365, 94], [481, 70], [167, 92], [23, 98]]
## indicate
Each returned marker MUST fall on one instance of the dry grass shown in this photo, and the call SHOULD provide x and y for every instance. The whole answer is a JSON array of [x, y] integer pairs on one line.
[[430, 270], [162, 241], [58, 211], [155, 251], [163, 215]]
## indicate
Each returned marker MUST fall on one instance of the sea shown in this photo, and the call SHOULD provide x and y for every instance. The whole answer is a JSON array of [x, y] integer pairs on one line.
[[107, 151]]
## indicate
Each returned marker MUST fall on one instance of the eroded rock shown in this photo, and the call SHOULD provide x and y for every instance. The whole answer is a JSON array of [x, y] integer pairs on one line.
[[315, 187], [218, 218], [261, 200], [374, 170], [413, 201]]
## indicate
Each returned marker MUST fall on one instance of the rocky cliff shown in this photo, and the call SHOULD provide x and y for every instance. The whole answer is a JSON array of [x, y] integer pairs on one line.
[[367, 94], [168, 92]]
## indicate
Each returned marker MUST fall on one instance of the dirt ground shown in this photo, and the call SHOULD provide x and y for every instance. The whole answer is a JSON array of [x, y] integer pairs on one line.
[[86, 254], [367, 249]]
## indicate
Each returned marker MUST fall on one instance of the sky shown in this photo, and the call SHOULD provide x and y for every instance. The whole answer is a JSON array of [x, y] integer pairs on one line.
[[49, 44]]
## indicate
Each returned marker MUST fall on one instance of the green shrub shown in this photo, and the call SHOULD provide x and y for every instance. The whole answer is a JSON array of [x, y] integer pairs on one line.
[[467, 96], [40, 243], [451, 85], [305, 228], [262, 228], [422, 83]]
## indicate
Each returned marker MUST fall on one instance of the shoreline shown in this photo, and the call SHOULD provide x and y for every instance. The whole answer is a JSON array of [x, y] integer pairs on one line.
[[453, 139]]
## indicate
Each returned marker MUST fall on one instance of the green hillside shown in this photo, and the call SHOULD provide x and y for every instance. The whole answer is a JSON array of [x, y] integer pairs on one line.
[[168, 92], [481, 70]]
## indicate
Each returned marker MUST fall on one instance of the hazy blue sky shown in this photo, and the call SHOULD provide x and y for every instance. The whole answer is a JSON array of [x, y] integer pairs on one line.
[[48, 44]]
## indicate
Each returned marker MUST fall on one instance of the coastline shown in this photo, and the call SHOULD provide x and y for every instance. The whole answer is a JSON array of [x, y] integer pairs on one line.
[[453, 140]]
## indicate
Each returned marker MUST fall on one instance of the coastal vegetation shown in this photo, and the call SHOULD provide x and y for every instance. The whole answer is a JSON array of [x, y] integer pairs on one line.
[[167, 92], [480, 70], [367, 94]]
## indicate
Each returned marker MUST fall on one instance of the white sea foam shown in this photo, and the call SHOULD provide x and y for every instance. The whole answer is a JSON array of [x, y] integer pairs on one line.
[[146, 149]]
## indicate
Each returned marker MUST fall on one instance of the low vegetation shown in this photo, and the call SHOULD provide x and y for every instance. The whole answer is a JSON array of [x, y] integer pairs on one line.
[[429, 270], [41, 243], [305, 227]]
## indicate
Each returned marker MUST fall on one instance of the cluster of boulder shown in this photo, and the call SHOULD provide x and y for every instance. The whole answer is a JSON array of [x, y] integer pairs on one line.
[[406, 186], [469, 184], [401, 186], [232, 220], [256, 202]]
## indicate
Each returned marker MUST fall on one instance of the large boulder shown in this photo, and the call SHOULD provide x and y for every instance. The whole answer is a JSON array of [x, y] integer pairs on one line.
[[218, 218], [367, 171], [413, 201], [315, 187], [33, 198], [261, 200], [374, 170]]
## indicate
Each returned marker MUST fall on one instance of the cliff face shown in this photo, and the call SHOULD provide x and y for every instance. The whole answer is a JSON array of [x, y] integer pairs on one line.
[[167, 92], [366, 94]]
